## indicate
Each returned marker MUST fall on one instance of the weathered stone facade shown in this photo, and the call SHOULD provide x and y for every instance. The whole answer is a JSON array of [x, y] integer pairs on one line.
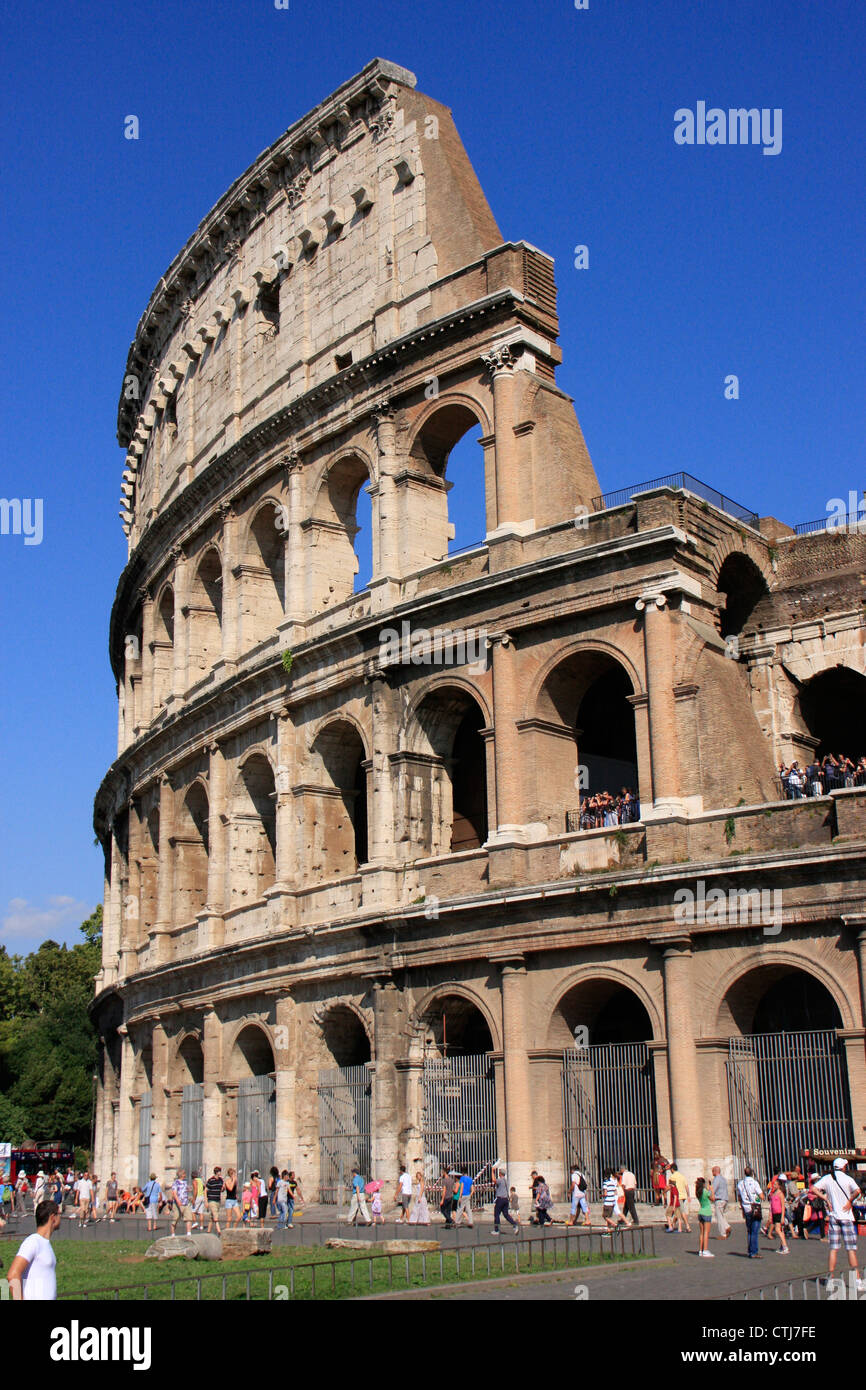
[[331, 865]]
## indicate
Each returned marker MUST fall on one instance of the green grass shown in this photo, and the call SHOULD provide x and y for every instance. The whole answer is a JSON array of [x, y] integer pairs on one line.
[[91, 1265]]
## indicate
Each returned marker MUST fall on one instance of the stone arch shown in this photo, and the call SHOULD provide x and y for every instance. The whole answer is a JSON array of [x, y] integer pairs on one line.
[[832, 707], [334, 527], [435, 444], [162, 645], [250, 1050], [443, 776], [340, 820], [579, 733], [607, 981], [744, 586], [345, 1033], [263, 581], [191, 849], [252, 828], [745, 545], [186, 1066], [205, 613], [426, 1005], [739, 989]]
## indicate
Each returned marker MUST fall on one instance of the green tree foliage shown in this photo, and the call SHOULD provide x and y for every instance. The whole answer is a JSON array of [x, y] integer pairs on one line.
[[48, 1045]]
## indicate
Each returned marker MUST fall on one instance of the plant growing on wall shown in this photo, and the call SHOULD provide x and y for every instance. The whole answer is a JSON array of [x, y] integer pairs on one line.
[[287, 661]]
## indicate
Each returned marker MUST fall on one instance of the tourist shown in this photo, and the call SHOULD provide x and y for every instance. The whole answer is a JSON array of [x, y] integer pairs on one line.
[[261, 1197], [579, 1203], [281, 1198], [514, 1205], [464, 1196], [152, 1198], [403, 1195], [273, 1179], [198, 1201], [376, 1204], [720, 1203], [750, 1196], [609, 1189], [295, 1196], [501, 1201], [22, 1192], [678, 1195], [248, 1203], [111, 1197], [32, 1274], [705, 1216], [840, 1192], [180, 1198], [233, 1210], [358, 1204], [543, 1202], [85, 1195], [533, 1186], [628, 1182], [776, 1218], [447, 1204], [214, 1190], [420, 1214]]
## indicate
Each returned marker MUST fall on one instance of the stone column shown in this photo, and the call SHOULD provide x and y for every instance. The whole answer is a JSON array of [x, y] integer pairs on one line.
[[685, 1100], [212, 1108], [387, 1118], [127, 1141], [519, 1137], [179, 679], [144, 715], [662, 711], [500, 364], [295, 576], [287, 1047], [112, 926], [160, 943], [506, 741], [159, 1100], [132, 898], [229, 588], [386, 508], [211, 921]]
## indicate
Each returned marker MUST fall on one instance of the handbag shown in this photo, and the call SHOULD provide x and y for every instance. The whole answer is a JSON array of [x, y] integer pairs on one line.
[[756, 1212]]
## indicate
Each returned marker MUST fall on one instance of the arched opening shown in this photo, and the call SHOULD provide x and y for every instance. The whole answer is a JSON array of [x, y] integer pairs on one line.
[[448, 459], [344, 1091], [744, 587], [344, 553], [263, 596], [149, 869], [163, 648], [608, 1083], [458, 1091], [833, 707], [787, 1073], [186, 1113], [253, 839], [252, 1065], [345, 1037], [205, 616], [585, 745], [192, 847], [341, 844], [447, 783], [190, 1062]]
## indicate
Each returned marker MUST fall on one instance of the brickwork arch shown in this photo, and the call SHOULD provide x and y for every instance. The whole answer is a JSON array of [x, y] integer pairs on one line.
[[604, 975], [743, 964], [419, 1021], [247, 1047]]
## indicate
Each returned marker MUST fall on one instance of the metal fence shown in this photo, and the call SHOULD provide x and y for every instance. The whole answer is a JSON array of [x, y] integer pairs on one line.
[[145, 1114], [609, 1112], [257, 1125], [808, 1288], [588, 818], [685, 482], [787, 1092], [849, 522], [191, 1128], [808, 782], [356, 1275], [345, 1128], [459, 1121]]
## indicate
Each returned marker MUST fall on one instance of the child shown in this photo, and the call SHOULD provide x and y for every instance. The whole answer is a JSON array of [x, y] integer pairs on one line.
[[514, 1204], [246, 1202], [376, 1208]]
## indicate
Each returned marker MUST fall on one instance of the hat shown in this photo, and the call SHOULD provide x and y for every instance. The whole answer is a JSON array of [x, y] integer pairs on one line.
[[840, 1163]]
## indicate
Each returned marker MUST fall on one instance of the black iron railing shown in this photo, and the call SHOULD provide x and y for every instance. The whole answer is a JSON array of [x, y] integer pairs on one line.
[[687, 483]]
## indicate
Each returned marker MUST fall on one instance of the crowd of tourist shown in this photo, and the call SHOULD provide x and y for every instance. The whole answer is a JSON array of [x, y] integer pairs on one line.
[[821, 777], [603, 809]]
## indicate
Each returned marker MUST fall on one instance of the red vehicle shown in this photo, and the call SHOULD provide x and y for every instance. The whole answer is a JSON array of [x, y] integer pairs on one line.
[[48, 1157]]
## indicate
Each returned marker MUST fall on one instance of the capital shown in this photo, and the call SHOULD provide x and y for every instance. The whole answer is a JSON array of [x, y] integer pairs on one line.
[[498, 360]]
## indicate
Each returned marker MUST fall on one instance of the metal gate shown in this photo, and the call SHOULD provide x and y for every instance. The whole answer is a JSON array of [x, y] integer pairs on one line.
[[787, 1092], [257, 1125], [459, 1119], [191, 1125], [345, 1129], [145, 1112], [609, 1112]]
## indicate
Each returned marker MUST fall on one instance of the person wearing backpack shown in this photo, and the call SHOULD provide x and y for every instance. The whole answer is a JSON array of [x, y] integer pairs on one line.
[[578, 1197], [840, 1192], [152, 1197]]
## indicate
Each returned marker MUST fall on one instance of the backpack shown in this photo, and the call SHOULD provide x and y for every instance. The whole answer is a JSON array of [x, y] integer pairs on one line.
[[581, 1182]]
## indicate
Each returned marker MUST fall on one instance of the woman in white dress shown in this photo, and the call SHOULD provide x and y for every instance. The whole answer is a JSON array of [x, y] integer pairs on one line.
[[420, 1214]]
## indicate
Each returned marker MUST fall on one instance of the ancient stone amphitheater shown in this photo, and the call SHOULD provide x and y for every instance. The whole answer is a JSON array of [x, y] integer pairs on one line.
[[354, 910]]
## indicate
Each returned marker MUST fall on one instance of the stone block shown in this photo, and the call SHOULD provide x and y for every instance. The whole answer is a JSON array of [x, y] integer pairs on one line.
[[238, 1244]]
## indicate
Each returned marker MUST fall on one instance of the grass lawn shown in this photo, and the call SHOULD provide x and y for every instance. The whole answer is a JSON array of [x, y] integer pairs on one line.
[[90, 1265]]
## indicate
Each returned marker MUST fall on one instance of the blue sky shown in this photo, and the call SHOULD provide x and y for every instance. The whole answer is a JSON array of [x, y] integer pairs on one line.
[[703, 262]]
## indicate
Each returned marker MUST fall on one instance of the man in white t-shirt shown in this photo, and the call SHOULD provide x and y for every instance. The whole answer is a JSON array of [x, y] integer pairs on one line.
[[403, 1196], [32, 1275], [85, 1196], [841, 1191]]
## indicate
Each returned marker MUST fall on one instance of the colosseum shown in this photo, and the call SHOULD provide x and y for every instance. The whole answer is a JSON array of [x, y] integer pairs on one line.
[[366, 900]]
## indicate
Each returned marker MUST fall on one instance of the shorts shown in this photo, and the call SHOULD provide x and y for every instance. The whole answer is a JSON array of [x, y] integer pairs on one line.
[[214, 1209], [607, 1211], [153, 1211], [405, 1200], [231, 1202], [843, 1231], [184, 1214], [704, 1220], [198, 1206]]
